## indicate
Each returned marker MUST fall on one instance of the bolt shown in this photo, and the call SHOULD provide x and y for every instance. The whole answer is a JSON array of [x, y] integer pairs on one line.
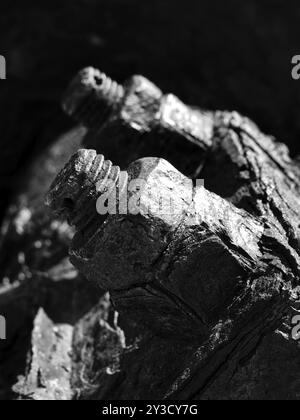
[[135, 120], [197, 253], [73, 194], [92, 97]]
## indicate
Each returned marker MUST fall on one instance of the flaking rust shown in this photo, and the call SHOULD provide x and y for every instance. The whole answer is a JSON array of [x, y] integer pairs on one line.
[[165, 270], [200, 285]]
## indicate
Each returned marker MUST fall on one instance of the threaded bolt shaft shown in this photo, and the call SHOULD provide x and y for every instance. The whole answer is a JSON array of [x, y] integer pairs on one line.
[[74, 193], [92, 97]]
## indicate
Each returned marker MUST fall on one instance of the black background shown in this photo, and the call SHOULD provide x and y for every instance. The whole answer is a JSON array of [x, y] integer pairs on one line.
[[219, 55]]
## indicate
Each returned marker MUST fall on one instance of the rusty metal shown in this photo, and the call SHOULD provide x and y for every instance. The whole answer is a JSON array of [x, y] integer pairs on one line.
[[123, 251], [136, 119]]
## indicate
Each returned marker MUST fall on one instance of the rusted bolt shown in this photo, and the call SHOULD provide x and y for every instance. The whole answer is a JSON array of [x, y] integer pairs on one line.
[[74, 193], [135, 120], [184, 261], [92, 97]]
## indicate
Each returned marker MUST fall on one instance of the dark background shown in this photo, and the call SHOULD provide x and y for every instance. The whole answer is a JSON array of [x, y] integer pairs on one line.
[[219, 55]]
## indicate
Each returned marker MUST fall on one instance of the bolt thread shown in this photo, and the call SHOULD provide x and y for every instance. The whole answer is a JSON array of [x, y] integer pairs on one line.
[[92, 97], [84, 179]]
